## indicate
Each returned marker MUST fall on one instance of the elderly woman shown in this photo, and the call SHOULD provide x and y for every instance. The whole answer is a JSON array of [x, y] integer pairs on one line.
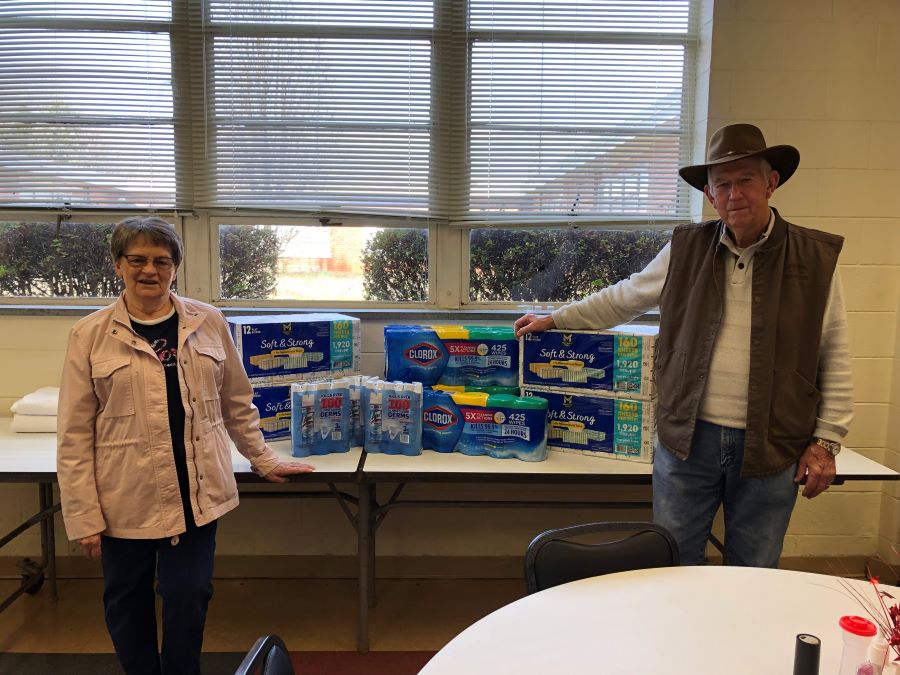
[[152, 388]]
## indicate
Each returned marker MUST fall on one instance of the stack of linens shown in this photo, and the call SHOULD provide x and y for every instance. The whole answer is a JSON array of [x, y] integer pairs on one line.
[[36, 412]]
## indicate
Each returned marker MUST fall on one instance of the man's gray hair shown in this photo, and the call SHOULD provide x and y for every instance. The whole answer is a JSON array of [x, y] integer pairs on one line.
[[150, 228], [764, 166]]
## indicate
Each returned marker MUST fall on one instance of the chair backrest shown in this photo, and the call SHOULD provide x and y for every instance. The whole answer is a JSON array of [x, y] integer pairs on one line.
[[552, 560], [268, 656]]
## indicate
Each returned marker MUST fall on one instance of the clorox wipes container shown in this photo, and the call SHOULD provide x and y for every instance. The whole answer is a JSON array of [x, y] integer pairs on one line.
[[477, 423], [452, 355]]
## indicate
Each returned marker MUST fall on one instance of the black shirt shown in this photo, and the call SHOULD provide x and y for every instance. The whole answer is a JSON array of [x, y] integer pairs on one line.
[[163, 337]]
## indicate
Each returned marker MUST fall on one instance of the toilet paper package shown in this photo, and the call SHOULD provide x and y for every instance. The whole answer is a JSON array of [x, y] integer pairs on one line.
[[296, 347], [598, 425], [452, 355], [274, 405], [477, 423], [617, 361]]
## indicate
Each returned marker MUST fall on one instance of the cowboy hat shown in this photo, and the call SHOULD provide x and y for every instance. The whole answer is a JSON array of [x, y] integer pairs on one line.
[[737, 141]]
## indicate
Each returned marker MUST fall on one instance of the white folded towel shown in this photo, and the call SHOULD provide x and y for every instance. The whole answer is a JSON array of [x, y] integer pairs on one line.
[[33, 423], [44, 401]]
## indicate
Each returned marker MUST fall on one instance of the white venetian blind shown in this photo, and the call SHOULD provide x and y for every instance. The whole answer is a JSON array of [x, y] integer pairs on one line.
[[579, 110], [86, 115], [321, 106]]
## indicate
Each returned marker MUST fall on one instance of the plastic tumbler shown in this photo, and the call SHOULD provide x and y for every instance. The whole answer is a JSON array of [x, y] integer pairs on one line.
[[857, 633]]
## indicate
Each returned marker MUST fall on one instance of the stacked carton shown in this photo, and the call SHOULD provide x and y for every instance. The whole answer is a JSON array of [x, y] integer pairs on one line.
[[279, 349], [599, 389]]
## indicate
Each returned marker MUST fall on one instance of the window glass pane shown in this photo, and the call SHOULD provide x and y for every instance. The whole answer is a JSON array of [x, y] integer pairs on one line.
[[555, 265], [46, 260], [576, 129], [406, 14], [663, 16], [316, 263], [320, 124], [86, 119], [133, 10]]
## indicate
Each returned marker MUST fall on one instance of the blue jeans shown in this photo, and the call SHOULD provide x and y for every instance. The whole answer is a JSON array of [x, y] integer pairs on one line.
[[687, 494], [184, 573]]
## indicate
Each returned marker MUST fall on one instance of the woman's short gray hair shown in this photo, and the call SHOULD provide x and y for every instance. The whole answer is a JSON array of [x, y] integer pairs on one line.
[[151, 228]]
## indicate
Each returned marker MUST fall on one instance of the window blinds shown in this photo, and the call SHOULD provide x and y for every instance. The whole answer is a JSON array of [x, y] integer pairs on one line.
[[86, 104], [476, 112]]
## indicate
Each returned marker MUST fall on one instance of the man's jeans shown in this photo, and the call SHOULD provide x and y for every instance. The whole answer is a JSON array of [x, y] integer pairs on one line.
[[687, 494]]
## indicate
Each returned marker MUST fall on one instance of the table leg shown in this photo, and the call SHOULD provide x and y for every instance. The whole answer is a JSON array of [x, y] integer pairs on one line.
[[48, 539], [364, 543]]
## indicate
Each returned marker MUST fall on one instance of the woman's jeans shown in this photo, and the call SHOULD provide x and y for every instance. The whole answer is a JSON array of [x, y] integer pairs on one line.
[[687, 494], [184, 573]]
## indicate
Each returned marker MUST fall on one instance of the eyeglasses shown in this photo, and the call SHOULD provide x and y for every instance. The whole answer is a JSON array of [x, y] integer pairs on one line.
[[140, 262]]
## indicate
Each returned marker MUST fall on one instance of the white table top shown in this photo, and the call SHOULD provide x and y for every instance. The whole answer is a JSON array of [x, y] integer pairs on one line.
[[690, 620], [557, 463], [35, 453], [850, 465]]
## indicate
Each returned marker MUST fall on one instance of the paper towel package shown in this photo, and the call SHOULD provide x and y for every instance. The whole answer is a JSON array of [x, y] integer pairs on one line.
[[274, 404], [617, 361], [598, 425], [452, 355], [296, 347]]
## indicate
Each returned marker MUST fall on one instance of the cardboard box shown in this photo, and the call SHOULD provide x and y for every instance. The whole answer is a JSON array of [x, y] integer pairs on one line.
[[617, 361], [296, 347], [597, 425]]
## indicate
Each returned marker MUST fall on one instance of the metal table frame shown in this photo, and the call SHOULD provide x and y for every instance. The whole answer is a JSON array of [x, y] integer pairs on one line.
[[364, 512]]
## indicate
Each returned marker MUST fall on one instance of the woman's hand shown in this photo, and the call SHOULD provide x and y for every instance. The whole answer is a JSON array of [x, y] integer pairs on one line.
[[280, 473], [90, 546]]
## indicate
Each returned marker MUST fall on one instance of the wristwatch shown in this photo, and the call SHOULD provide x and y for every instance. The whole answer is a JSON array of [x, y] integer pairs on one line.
[[831, 446]]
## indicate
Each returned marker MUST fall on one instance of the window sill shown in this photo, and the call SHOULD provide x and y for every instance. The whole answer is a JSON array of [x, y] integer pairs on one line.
[[375, 314]]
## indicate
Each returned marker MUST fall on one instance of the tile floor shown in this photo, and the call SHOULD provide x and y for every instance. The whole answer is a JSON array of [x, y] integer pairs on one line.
[[311, 615]]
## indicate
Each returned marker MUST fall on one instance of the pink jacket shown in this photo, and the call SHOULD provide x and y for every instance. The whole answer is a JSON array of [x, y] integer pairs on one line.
[[115, 462]]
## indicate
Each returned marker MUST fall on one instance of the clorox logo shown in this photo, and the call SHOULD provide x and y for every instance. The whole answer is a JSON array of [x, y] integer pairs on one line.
[[439, 418], [423, 353]]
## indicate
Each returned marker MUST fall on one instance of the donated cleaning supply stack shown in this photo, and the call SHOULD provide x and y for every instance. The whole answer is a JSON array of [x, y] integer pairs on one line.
[[393, 417], [287, 348], [478, 423], [599, 389], [452, 355]]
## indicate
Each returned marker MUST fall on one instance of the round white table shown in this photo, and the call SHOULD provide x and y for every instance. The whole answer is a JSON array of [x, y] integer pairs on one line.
[[670, 621]]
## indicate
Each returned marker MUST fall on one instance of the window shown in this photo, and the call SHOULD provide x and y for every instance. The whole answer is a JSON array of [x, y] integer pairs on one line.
[[316, 263], [86, 106], [430, 129]]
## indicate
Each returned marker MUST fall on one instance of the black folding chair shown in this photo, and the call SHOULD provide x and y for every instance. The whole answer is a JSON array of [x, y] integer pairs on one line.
[[551, 559], [268, 656]]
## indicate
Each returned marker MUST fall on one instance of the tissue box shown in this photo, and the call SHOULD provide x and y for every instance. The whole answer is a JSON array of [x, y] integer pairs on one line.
[[601, 426], [296, 347], [618, 361]]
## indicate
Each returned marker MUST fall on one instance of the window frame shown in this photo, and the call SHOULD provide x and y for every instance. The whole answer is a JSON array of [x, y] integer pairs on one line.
[[448, 239]]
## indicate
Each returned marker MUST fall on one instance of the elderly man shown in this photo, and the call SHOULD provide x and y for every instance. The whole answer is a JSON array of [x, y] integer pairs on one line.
[[752, 366]]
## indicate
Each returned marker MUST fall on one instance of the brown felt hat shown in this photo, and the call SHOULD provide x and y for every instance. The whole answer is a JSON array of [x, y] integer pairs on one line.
[[737, 141]]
